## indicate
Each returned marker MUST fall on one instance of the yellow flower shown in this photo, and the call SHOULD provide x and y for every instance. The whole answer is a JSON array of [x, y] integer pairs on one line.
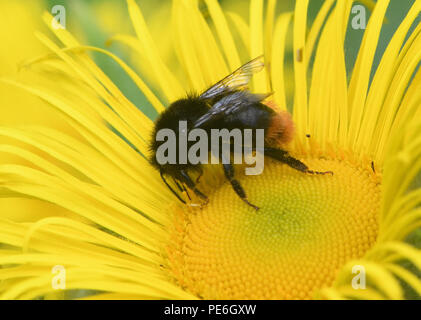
[[18, 20], [314, 235]]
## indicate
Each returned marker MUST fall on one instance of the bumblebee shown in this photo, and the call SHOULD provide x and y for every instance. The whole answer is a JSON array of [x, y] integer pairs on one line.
[[227, 104]]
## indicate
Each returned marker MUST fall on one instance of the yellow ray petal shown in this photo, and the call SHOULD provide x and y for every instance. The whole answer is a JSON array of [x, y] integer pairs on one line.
[[256, 43], [83, 199], [377, 276], [338, 122], [315, 29], [278, 54], [169, 84], [224, 33], [108, 179], [91, 123], [268, 39], [407, 276], [185, 51], [396, 92], [204, 45], [96, 78], [300, 98], [242, 28], [133, 75], [381, 81], [362, 69]]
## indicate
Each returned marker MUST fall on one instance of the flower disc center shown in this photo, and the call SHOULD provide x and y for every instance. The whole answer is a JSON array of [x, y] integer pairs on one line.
[[308, 226]]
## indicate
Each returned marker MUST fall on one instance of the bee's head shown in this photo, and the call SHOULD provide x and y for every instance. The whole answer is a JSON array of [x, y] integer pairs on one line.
[[187, 109]]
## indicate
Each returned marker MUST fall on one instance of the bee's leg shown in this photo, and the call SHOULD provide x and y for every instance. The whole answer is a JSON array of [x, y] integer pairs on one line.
[[190, 183], [200, 175], [182, 188], [187, 192], [178, 185], [169, 187], [229, 174], [283, 156]]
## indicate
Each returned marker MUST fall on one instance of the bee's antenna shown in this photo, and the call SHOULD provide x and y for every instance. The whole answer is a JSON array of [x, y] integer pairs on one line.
[[169, 187]]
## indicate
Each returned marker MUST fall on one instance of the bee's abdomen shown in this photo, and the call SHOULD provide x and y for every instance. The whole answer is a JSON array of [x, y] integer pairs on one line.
[[255, 116], [280, 130]]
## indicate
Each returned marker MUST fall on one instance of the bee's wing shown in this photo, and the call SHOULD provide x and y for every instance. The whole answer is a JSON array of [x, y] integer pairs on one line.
[[234, 100], [236, 80], [230, 104]]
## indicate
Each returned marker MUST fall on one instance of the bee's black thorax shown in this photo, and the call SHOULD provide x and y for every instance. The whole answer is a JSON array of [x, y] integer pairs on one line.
[[255, 116]]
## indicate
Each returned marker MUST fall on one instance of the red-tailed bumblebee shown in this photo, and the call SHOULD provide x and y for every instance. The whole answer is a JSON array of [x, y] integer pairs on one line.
[[227, 104]]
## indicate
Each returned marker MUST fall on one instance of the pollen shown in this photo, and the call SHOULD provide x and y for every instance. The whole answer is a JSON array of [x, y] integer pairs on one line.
[[308, 226]]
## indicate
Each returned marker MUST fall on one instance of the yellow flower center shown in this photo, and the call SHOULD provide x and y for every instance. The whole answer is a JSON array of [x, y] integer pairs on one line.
[[308, 226]]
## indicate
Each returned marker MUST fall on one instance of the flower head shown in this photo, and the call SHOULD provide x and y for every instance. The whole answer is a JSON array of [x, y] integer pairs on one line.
[[128, 236]]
